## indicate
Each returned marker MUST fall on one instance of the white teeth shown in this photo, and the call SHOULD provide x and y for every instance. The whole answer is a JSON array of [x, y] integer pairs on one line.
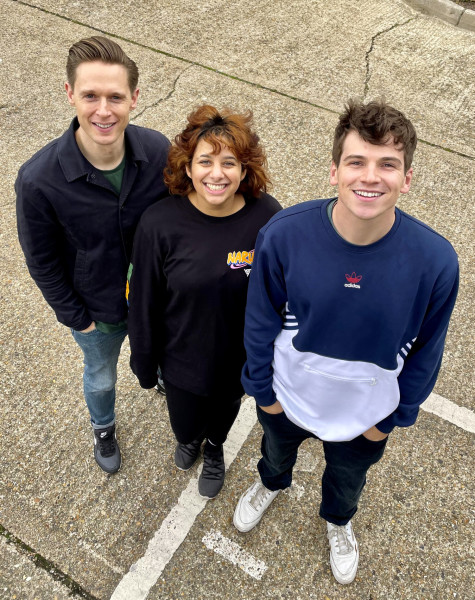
[[215, 188], [368, 194], [104, 125]]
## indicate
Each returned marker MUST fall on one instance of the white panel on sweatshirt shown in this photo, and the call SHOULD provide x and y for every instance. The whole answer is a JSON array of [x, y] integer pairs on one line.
[[316, 391]]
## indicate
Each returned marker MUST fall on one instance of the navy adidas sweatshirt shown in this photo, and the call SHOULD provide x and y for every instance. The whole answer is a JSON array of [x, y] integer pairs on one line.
[[345, 336]]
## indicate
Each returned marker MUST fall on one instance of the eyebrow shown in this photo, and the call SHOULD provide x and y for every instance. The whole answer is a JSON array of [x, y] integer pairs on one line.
[[394, 159], [224, 157], [120, 94]]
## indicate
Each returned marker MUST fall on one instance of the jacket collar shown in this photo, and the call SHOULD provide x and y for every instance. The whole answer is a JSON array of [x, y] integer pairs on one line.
[[74, 164]]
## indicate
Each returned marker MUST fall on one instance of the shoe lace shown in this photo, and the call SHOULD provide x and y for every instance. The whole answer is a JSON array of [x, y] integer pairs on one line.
[[261, 495], [107, 445], [343, 544], [213, 466]]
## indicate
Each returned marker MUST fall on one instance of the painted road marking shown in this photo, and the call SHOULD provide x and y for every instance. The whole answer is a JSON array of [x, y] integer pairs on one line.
[[215, 540], [458, 415], [143, 574]]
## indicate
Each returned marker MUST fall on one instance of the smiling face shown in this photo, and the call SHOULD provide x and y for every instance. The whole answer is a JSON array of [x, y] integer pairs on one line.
[[370, 179], [103, 100], [216, 179]]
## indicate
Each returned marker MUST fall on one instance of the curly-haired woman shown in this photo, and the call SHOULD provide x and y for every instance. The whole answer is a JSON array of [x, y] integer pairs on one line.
[[188, 281]]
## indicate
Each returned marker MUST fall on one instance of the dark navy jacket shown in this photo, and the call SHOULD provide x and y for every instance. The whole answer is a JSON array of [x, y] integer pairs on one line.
[[76, 233]]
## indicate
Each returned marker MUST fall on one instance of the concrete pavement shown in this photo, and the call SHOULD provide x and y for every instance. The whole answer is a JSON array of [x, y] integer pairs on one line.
[[294, 63]]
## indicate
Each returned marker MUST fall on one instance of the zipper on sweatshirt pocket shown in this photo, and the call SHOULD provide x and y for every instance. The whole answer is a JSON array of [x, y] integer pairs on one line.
[[368, 380]]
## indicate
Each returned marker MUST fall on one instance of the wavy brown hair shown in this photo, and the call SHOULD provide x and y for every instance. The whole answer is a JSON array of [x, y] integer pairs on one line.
[[100, 48], [218, 128], [376, 122]]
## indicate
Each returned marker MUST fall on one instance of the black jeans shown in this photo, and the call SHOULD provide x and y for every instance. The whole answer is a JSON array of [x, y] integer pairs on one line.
[[346, 464], [193, 417]]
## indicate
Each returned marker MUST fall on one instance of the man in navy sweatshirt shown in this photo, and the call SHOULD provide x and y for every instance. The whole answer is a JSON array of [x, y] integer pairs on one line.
[[79, 200], [348, 308]]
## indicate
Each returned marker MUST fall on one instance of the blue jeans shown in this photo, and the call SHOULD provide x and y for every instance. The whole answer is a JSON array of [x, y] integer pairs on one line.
[[346, 464], [101, 353]]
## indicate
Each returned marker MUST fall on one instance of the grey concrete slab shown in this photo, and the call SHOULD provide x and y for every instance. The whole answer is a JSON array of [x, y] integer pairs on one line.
[[320, 53], [412, 520], [52, 495], [19, 578]]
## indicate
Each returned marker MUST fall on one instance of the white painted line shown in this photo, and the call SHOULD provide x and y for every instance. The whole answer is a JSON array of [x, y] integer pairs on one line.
[[458, 415], [215, 540], [143, 575]]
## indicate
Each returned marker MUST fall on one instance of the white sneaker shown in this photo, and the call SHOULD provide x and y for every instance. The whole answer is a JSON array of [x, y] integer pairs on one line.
[[344, 553], [252, 505]]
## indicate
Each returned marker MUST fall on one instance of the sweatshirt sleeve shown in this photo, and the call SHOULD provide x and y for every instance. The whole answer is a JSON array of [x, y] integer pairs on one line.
[[40, 235], [145, 282], [422, 364], [263, 322]]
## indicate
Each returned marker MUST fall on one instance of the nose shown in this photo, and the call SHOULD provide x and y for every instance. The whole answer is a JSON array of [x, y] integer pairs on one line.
[[370, 174], [103, 107], [216, 170]]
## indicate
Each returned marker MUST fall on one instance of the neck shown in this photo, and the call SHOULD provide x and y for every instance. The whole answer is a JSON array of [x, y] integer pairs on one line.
[[104, 158], [361, 232]]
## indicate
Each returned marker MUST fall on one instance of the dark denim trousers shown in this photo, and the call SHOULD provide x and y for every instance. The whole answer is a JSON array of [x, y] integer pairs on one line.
[[346, 464]]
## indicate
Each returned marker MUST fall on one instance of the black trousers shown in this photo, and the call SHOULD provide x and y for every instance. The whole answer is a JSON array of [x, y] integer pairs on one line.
[[193, 417], [346, 464]]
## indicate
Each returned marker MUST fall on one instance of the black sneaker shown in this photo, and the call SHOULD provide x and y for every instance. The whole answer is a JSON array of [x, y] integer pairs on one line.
[[212, 477], [106, 449], [186, 454]]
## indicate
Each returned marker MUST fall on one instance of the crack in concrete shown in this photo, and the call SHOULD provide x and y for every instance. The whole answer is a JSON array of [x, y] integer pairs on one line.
[[41, 562], [167, 97], [368, 53], [240, 79]]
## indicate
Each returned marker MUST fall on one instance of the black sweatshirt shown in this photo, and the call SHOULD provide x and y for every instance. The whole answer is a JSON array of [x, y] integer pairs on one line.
[[188, 285]]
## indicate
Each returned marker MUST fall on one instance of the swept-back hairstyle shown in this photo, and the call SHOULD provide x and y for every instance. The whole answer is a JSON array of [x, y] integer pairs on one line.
[[376, 122], [105, 50], [218, 128]]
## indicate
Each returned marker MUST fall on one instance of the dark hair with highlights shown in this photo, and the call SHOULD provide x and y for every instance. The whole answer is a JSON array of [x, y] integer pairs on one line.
[[219, 129], [376, 122], [105, 50]]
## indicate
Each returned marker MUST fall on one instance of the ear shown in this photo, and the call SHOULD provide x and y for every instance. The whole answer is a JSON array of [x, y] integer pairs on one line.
[[70, 93], [188, 170], [333, 174], [135, 97], [243, 173], [407, 182]]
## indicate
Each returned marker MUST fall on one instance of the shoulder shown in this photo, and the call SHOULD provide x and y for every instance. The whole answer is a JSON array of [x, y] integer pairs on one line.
[[265, 204], [427, 242], [149, 138], [42, 161], [298, 214], [165, 208]]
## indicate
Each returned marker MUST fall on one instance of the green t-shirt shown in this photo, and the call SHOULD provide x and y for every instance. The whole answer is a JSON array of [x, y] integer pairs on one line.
[[114, 176]]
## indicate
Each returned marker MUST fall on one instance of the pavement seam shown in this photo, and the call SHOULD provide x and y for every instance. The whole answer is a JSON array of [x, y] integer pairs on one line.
[[40, 562], [371, 48]]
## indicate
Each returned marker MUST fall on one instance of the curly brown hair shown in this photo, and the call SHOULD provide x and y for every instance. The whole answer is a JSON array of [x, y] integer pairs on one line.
[[218, 128], [375, 122]]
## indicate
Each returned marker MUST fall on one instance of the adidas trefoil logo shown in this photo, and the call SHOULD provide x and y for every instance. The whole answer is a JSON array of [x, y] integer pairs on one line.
[[353, 280]]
